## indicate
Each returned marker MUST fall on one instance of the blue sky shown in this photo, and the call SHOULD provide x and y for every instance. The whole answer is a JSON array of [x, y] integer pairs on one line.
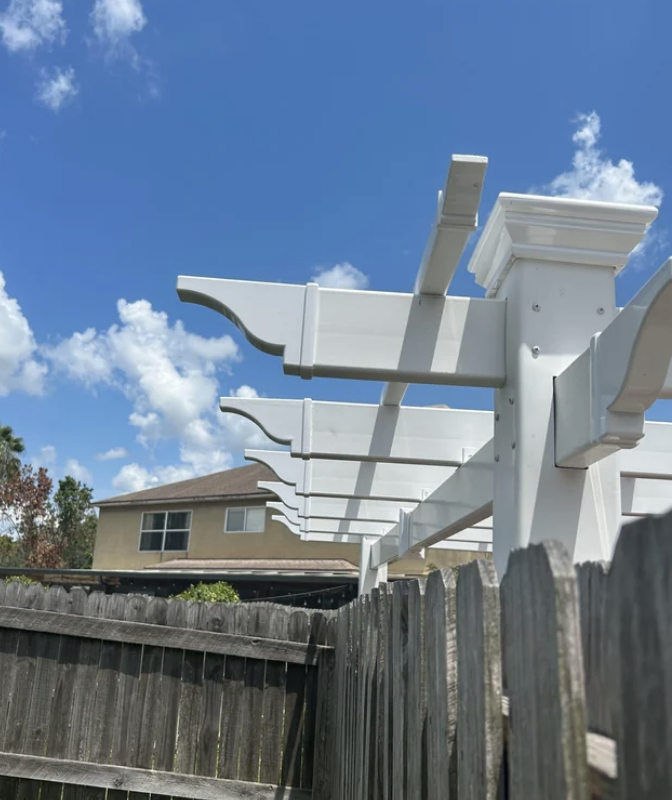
[[268, 141]]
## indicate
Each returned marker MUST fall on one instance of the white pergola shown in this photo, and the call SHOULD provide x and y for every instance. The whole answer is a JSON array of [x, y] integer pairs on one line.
[[566, 453]]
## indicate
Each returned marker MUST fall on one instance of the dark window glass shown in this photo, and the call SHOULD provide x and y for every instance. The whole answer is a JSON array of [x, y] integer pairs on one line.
[[153, 522], [176, 540], [151, 540], [235, 519], [178, 520]]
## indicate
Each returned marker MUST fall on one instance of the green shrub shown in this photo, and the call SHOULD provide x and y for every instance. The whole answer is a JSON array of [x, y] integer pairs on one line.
[[220, 592], [19, 579]]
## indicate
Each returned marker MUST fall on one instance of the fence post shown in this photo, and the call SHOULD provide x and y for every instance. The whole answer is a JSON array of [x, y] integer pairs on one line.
[[415, 772], [640, 673], [544, 669]]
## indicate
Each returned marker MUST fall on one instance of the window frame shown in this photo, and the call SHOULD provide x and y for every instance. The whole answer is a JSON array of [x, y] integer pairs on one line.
[[166, 530], [245, 509]]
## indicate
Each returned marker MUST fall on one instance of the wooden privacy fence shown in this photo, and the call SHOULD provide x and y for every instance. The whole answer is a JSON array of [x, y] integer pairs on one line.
[[106, 695], [556, 684]]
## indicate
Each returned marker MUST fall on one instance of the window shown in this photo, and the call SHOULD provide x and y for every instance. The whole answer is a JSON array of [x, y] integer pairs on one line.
[[165, 531], [245, 520]]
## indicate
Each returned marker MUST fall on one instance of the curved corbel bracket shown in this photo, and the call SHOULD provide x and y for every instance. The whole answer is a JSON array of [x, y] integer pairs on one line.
[[601, 398], [280, 420], [290, 513], [270, 315], [289, 525], [286, 494], [289, 470]]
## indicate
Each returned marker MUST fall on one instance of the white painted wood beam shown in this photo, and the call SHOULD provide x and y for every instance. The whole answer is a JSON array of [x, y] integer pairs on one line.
[[645, 497], [362, 479], [601, 398], [366, 432], [455, 220], [340, 333], [463, 500]]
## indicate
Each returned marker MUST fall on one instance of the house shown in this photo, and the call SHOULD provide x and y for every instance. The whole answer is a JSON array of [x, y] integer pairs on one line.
[[217, 527]]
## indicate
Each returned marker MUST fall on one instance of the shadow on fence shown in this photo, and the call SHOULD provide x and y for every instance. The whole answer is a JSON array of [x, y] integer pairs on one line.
[[555, 684]]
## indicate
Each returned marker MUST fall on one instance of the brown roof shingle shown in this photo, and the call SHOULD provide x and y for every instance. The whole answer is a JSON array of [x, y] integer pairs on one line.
[[239, 482], [257, 565]]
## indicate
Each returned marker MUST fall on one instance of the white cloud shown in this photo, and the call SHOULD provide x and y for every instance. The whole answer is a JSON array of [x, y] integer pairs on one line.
[[115, 21], [595, 177], [46, 457], [78, 471], [58, 88], [112, 455], [19, 370], [27, 24], [341, 276], [134, 478], [168, 375]]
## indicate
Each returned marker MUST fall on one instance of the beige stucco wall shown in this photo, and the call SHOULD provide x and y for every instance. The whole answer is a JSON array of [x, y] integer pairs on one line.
[[118, 540]]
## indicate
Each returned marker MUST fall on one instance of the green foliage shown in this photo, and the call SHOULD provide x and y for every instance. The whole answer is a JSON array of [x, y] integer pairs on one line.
[[10, 448], [220, 592], [19, 579], [76, 523], [10, 552]]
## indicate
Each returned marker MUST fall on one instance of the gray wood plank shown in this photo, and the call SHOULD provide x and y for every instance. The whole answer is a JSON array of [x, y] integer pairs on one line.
[[542, 650], [24, 676], [480, 742], [640, 657], [251, 646], [383, 690], [317, 638], [324, 633], [274, 702], [299, 631], [9, 642], [128, 709], [441, 671], [139, 780], [113, 606], [592, 580], [255, 670], [85, 677], [68, 657], [213, 675], [399, 685], [151, 715], [416, 773], [191, 701], [234, 620]]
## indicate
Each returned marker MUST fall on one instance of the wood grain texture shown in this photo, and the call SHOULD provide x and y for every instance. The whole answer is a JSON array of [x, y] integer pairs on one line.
[[125, 779], [295, 687], [399, 683], [274, 702], [542, 649], [441, 671], [480, 742], [251, 646], [384, 699], [640, 657], [416, 773], [592, 581]]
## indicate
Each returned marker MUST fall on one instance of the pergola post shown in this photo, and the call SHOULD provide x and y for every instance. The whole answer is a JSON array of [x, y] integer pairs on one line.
[[554, 261], [369, 577]]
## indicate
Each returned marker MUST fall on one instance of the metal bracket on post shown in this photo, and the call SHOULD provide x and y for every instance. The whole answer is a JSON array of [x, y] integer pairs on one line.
[[601, 398]]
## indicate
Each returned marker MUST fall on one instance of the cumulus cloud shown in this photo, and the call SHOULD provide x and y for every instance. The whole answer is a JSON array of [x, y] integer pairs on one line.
[[19, 369], [46, 457], [341, 276], [78, 471], [57, 88], [594, 176], [112, 455], [27, 24], [170, 378], [135, 478], [114, 21]]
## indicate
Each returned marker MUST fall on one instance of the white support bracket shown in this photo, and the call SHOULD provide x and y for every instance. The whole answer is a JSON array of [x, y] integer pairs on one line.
[[380, 336], [601, 398], [370, 577]]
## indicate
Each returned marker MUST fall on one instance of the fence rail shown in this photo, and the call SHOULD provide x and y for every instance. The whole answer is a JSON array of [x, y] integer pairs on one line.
[[111, 694], [554, 684]]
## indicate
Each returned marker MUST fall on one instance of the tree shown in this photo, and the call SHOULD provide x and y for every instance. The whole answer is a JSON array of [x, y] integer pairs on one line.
[[219, 592], [10, 448], [76, 523]]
